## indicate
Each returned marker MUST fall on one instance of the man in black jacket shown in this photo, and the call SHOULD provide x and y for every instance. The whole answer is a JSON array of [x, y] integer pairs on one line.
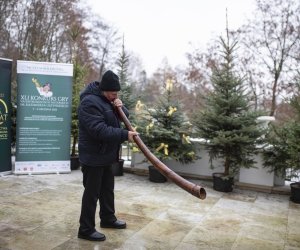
[[100, 138]]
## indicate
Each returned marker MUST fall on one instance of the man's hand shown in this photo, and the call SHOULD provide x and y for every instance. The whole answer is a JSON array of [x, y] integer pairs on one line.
[[131, 134], [118, 103]]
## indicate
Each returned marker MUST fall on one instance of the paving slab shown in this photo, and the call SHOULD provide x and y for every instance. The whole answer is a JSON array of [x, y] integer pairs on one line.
[[42, 212]]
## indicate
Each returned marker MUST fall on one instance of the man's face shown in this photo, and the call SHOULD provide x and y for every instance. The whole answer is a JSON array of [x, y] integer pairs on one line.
[[111, 95]]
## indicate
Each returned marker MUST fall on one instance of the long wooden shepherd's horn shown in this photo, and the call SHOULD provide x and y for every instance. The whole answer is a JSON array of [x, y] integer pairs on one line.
[[192, 188]]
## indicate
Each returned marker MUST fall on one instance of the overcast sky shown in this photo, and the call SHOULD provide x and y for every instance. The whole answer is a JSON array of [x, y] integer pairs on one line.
[[158, 29]]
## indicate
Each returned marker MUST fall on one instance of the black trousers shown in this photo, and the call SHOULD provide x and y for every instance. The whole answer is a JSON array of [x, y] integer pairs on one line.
[[98, 185]]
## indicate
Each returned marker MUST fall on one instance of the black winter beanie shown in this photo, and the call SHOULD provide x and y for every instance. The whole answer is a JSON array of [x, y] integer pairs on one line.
[[110, 82]]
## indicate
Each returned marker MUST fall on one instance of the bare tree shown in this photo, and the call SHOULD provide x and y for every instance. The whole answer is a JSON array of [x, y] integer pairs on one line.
[[38, 28], [7, 8], [197, 73], [272, 39], [136, 73], [104, 42]]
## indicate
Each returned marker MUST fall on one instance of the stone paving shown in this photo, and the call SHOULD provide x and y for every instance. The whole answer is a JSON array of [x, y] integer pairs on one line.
[[42, 211]]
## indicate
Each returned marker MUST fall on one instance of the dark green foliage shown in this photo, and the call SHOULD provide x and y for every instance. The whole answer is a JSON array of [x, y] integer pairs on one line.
[[284, 150], [79, 74], [227, 122], [165, 130], [126, 89]]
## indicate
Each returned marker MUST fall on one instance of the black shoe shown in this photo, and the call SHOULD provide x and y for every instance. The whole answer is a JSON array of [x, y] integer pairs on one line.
[[118, 224], [95, 236]]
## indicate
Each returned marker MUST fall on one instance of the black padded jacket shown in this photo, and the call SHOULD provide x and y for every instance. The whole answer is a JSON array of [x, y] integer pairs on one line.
[[100, 132]]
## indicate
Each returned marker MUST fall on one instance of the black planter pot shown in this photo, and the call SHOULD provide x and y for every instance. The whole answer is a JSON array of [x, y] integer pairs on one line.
[[222, 183], [118, 168], [75, 164], [155, 175], [295, 192]]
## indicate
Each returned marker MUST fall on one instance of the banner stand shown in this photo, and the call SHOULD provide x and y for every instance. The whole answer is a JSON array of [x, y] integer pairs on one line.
[[44, 106], [5, 116]]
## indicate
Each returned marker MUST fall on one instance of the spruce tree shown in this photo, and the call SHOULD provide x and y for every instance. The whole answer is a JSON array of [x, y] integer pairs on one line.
[[164, 128], [283, 152], [227, 123], [79, 76], [126, 89]]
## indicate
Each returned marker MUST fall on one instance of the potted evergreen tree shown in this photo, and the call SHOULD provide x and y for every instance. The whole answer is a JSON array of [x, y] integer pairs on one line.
[[126, 96], [76, 35], [227, 122], [79, 74], [283, 153], [165, 131]]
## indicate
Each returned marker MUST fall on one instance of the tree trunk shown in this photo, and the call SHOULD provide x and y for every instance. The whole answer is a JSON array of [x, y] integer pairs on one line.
[[73, 152]]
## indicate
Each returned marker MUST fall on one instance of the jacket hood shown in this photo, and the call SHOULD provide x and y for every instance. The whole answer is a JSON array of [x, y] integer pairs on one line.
[[92, 88]]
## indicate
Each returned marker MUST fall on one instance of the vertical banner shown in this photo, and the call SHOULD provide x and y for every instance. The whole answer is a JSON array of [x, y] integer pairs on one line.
[[44, 105], [5, 115]]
